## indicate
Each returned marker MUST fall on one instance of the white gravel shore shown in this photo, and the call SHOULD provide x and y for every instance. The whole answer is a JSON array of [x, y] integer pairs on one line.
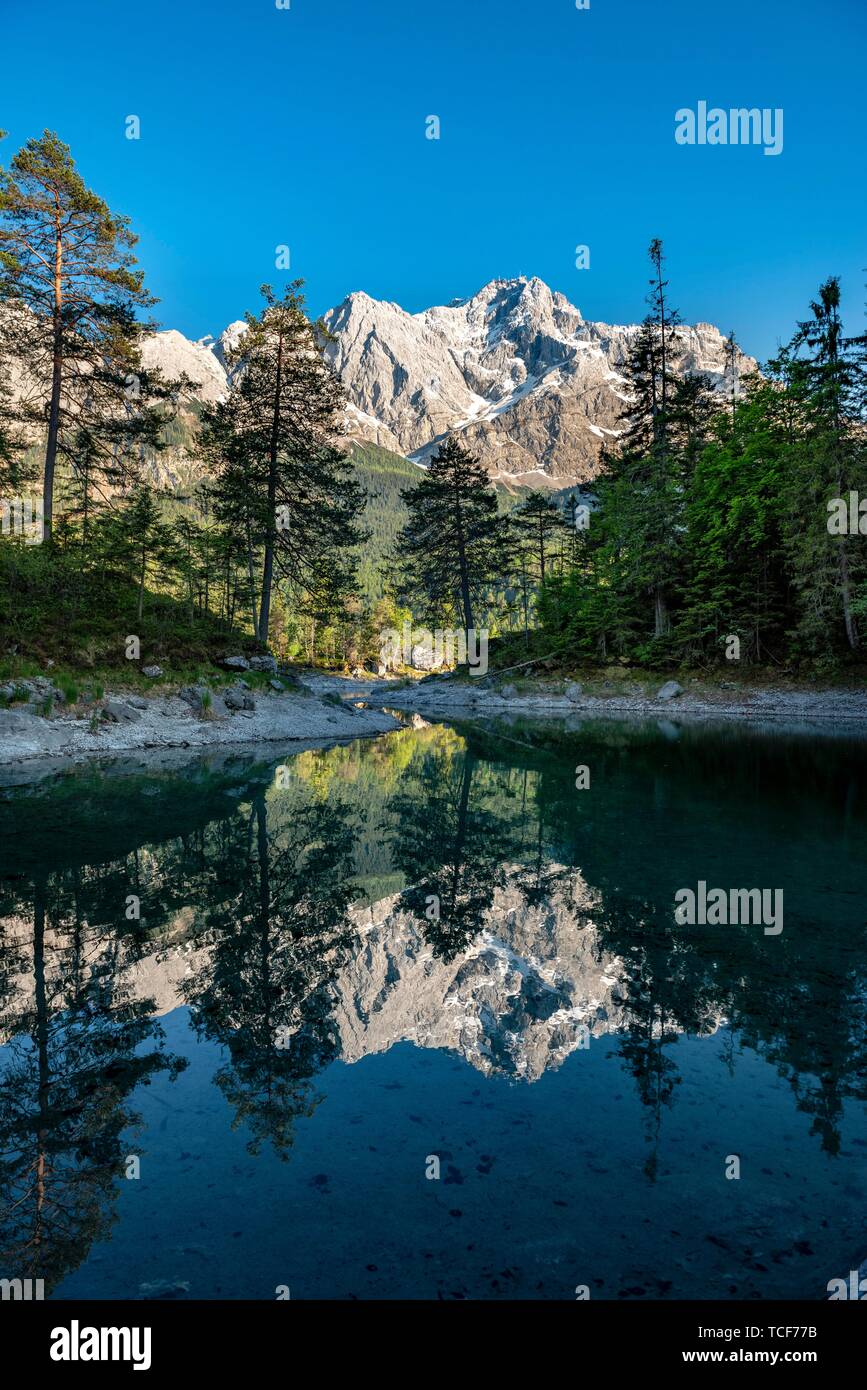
[[169, 722], [165, 721], [459, 699]]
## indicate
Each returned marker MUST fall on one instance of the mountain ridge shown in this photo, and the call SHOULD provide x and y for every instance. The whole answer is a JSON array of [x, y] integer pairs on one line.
[[533, 388]]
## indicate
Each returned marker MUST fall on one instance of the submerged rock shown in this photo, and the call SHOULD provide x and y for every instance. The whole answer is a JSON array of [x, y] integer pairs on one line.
[[164, 1288]]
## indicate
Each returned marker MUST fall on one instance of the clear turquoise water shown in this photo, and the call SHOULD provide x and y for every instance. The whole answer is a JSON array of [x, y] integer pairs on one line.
[[285, 1041]]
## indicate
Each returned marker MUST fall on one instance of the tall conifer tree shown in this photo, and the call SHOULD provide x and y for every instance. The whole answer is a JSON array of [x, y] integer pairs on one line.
[[449, 549], [68, 272], [282, 481]]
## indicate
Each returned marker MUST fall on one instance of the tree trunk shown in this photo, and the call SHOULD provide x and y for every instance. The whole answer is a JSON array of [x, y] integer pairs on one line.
[[461, 830], [41, 1040], [465, 594], [56, 381], [264, 981], [846, 595], [663, 351], [463, 569], [661, 623], [252, 579], [271, 532]]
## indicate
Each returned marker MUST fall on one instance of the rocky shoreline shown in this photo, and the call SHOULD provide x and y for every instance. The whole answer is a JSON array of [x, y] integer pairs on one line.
[[125, 722], [324, 707], [443, 698]]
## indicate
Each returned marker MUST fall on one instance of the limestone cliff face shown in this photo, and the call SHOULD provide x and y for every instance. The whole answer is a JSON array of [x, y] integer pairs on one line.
[[530, 989], [532, 388], [176, 356], [529, 385]]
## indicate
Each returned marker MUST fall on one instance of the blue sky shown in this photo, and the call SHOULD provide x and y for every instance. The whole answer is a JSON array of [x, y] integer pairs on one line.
[[306, 127]]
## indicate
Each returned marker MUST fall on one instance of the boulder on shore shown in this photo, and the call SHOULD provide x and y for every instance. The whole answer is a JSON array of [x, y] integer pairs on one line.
[[236, 699], [194, 696], [669, 691], [37, 690], [117, 712]]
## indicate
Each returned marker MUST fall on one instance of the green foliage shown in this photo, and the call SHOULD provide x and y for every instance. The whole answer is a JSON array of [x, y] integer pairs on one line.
[[281, 483], [709, 522], [77, 601], [449, 549], [73, 292], [69, 688], [383, 476], [712, 520]]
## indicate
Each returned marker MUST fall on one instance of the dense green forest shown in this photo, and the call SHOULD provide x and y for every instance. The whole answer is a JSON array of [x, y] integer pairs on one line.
[[729, 530], [726, 525]]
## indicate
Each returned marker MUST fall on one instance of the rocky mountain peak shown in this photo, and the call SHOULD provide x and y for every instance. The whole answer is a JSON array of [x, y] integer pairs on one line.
[[533, 388]]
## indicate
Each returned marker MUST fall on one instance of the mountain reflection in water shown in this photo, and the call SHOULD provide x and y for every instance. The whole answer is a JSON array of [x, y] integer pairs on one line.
[[284, 994]]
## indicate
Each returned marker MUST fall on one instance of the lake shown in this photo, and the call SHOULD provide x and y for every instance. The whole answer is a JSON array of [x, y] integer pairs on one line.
[[413, 1017]]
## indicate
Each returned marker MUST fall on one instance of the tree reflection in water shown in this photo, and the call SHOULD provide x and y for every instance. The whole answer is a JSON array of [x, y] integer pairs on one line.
[[259, 886]]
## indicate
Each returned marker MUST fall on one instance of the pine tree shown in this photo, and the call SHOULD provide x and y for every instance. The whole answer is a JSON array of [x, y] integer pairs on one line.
[[732, 351], [693, 408], [641, 492], [829, 371], [282, 482], [69, 274], [539, 525], [449, 548], [737, 583], [137, 541]]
